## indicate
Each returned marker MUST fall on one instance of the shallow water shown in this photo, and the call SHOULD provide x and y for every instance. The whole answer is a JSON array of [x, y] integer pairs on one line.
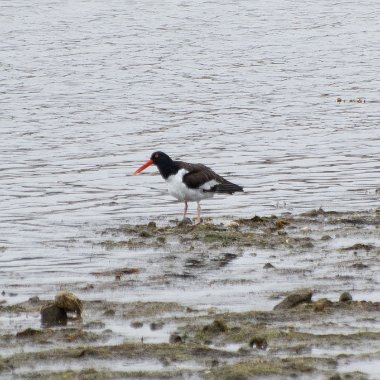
[[90, 88]]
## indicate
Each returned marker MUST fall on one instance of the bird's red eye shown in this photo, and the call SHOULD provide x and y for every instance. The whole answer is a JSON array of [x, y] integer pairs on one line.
[[156, 155]]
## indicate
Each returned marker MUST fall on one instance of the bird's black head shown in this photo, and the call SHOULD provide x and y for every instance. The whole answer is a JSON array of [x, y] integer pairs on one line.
[[160, 157], [164, 163]]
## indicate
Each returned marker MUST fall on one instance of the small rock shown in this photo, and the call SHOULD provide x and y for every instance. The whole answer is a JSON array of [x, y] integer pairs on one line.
[[335, 376], [258, 342], [52, 315], [268, 266], [281, 223], [69, 302], [358, 247], [156, 326], [152, 225], [34, 299], [109, 313], [175, 338], [326, 237], [145, 234], [359, 266], [165, 361], [321, 304], [295, 298], [314, 213], [28, 333], [161, 240], [345, 297], [184, 222], [216, 327], [137, 324]]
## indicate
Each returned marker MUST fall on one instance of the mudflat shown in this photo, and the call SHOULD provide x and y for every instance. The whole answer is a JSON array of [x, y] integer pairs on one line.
[[324, 324]]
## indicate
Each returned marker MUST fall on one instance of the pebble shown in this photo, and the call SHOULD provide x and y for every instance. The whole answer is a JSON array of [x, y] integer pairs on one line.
[[345, 297], [52, 315]]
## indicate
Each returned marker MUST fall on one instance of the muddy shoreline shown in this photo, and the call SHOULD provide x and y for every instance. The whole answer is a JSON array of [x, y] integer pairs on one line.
[[325, 334]]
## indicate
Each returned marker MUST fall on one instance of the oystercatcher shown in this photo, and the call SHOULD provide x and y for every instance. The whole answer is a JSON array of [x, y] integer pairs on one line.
[[189, 182]]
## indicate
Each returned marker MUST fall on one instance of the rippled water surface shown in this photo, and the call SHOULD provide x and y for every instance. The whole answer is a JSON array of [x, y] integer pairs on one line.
[[88, 89]]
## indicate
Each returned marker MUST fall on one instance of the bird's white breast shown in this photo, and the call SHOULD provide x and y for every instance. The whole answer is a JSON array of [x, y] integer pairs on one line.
[[180, 191]]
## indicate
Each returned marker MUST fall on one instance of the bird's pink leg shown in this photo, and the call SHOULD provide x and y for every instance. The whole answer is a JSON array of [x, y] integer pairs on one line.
[[185, 210], [198, 213]]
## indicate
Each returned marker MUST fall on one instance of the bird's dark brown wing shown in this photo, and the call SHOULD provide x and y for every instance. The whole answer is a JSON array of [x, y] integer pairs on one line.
[[199, 174]]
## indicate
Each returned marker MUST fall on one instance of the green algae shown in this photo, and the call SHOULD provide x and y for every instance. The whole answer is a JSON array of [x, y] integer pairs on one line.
[[258, 367]]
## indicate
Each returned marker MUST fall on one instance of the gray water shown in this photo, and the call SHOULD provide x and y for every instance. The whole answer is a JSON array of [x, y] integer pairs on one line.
[[88, 89]]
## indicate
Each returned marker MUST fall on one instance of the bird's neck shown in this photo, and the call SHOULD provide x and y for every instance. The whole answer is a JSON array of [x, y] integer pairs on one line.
[[167, 169]]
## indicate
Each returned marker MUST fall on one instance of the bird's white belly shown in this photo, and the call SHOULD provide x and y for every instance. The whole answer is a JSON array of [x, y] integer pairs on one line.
[[180, 191]]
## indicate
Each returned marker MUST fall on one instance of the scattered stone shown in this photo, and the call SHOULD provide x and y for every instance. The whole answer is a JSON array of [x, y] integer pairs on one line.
[[326, 237], [307, 244], [184, 222], [314, 213], [345, 297], [152, 225], [359, 266], [109, 313], [34, 299], [358, 247], [256, 220], [52, 315], [156, 326], [258, 342], [216, 327], [145, 234], [321, 304], [281, 223], [175, 338], [166, 362], [28, 333], [335, 376], [295, 298], [268, 266], [69, 302], [137, 324]]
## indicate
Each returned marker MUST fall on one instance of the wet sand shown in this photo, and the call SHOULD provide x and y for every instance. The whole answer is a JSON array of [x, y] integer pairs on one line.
[[237, 268]]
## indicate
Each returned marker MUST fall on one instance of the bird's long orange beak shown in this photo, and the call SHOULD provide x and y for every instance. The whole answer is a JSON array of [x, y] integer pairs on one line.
[[143, 167]]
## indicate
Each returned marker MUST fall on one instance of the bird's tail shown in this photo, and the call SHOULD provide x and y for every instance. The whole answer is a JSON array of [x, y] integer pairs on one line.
[[225, 188]]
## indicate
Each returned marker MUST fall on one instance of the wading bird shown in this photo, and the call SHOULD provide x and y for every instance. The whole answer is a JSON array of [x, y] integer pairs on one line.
[[189, 182]]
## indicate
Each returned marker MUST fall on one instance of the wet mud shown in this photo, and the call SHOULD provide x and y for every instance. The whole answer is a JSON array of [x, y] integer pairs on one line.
[[329, 329]]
